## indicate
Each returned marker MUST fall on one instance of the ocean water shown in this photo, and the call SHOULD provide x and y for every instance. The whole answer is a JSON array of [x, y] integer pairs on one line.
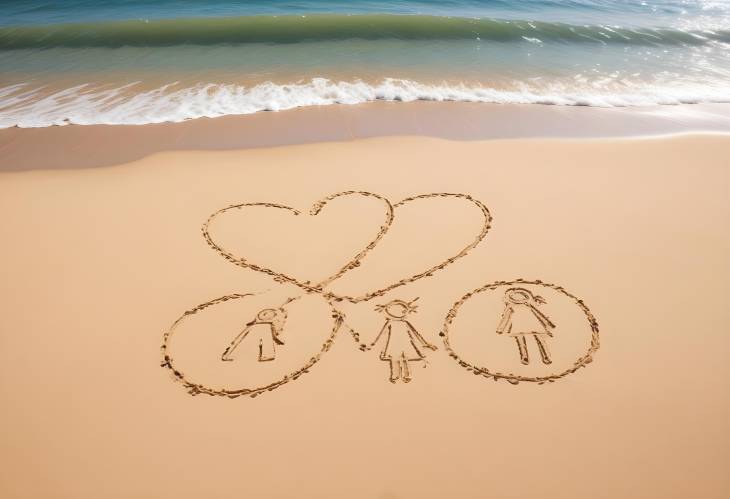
[[145, 61]]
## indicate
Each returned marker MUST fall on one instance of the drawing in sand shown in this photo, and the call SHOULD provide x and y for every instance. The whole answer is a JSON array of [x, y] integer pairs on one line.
[[521, 318], [403, 343], [265, 329], [268, 332], [321, 287]]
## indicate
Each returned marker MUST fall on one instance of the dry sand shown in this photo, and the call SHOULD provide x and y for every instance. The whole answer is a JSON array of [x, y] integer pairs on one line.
[[97, 264]]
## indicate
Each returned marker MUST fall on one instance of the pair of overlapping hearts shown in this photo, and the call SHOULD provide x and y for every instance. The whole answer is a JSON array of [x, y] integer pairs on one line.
[[389, 217]]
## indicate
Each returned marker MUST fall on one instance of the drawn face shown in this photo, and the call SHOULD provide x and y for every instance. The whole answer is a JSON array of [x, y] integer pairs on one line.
[[396, 309], [266, 314], [518, 296]]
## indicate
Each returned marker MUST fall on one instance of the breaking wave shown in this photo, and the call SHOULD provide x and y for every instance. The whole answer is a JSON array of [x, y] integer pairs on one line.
[[23, 106]]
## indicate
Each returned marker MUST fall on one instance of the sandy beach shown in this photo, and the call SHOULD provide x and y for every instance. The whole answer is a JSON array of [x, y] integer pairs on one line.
[[476, 249], [623, 387]]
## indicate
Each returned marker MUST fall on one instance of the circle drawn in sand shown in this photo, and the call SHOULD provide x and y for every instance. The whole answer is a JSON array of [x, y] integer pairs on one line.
[[510, 324], [259, 335]]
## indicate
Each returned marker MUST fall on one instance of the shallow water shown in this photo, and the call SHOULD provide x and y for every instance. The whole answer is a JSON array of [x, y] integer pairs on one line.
[[139, 62]]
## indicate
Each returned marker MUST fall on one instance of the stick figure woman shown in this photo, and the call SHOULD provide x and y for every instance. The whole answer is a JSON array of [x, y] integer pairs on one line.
[[521, 317], [402, 342], [266, 328]]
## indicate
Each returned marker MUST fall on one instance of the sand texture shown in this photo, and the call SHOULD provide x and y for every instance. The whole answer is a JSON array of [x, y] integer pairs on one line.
[[385, 318]]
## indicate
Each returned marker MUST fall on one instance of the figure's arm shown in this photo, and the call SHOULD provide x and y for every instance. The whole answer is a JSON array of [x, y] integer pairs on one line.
[[386, 327], [542, 317], [419, 337], [544, 320], [275, 332], [505, 321], [279, 328], [226, 356]]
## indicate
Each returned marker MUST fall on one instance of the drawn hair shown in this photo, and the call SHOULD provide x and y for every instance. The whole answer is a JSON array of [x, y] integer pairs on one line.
[[410, 306], [279, 320]]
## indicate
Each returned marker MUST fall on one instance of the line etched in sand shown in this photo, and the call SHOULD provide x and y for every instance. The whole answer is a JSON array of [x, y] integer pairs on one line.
[[533, 322]]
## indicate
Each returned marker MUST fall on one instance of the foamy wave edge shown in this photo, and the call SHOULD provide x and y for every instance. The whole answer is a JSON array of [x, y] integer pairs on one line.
[[81, 105]]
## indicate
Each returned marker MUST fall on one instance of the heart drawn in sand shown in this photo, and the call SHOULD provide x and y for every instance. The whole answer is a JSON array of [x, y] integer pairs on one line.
[[285, 212], [390, 211]]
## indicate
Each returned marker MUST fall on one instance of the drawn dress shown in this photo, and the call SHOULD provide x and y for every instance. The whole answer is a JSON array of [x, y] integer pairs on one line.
[[399, 343], [522, 319], [264, 334]]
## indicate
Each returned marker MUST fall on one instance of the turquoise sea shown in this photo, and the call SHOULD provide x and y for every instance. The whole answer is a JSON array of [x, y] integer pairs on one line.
[[144, 61]]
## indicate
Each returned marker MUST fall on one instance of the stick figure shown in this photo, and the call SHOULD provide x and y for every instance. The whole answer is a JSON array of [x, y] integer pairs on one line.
[[521, 317], [266, 327], [402, 341]]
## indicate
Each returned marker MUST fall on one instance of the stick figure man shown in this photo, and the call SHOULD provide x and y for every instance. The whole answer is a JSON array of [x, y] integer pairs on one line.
[[266, 327], [402, 342], [521, 317]]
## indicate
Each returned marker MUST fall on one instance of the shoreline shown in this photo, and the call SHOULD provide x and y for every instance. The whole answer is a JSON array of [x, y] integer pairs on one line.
[[87, 146]]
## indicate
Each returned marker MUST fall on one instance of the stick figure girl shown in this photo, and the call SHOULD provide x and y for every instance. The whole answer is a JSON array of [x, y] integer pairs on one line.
[[521, 317], [266, 327], [402, 341]]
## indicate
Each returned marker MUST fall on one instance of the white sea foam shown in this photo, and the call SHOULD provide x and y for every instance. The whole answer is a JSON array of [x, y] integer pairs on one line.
[[532, 40], [85, 105]]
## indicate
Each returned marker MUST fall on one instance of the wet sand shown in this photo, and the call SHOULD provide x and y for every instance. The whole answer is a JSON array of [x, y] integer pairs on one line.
[[78, 146], [103, 266]]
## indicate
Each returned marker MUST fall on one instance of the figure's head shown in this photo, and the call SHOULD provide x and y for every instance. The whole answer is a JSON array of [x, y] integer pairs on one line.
[[521, 296], [398, 309], [267, 315]]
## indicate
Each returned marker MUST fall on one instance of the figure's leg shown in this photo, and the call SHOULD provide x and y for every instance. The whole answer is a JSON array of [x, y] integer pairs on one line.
[[267, 350], [522, 346], [394, 370], [405, 369], [542, 346]]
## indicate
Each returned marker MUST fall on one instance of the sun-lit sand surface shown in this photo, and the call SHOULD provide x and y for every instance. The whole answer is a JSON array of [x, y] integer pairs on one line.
[[98, 263]]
